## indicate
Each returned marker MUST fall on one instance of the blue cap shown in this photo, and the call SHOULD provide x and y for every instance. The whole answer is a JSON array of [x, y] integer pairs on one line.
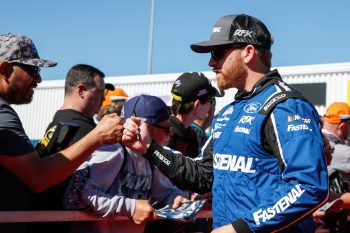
[[150, 108]]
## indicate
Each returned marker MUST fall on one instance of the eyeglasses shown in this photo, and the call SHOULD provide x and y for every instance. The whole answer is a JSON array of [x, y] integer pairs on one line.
[[166, 129], [219, 52], [33, 71]]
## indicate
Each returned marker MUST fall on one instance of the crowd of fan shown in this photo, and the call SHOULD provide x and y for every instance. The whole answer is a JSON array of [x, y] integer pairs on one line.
[[91, 158]]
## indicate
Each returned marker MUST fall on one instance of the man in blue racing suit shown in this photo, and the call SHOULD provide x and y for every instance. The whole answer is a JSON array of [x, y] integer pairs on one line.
[[264, 162]]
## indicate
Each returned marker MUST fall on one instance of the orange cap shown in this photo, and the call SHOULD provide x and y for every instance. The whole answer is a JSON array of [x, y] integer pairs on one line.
[[337, 112], [117, 94]]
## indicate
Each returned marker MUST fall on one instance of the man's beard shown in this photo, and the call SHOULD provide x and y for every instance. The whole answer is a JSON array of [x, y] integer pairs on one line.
[[19, 97], [233, 75]]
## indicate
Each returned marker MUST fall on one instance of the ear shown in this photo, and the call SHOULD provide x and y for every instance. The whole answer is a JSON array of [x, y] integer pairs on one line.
[[342, 125], [80, 89], [4, 66], [248, 53], [196, 104]]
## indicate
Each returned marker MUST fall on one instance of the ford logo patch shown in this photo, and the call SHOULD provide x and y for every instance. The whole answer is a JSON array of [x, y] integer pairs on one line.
[[252, 108]]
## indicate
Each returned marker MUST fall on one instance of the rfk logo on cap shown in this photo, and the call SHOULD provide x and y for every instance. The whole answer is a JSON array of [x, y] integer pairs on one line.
[[243, 33], [177, 83], [217, 29]]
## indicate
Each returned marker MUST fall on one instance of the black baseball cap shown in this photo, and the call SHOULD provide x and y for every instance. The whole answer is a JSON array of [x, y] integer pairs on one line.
[[109, 86], [236, 29], [190, 86]]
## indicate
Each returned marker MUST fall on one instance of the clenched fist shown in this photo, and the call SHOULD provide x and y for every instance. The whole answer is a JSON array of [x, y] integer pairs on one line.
[[143, 212], [110, 129]]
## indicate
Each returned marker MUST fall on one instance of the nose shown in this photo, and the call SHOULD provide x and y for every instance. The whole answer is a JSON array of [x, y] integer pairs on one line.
[[212, 62], [38, 78]]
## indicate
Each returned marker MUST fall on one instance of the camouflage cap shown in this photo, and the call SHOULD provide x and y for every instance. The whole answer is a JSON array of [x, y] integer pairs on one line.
[[21, 49]]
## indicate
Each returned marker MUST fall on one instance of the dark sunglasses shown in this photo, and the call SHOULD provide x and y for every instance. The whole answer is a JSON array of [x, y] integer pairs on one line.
[[219, 52], [33, 71], [167, 129]]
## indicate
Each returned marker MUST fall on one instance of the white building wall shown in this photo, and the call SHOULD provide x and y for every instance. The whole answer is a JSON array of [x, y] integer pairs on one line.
[[48, 97]]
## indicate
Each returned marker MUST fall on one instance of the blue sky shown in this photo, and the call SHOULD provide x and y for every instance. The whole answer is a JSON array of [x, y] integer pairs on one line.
[[114, 35]]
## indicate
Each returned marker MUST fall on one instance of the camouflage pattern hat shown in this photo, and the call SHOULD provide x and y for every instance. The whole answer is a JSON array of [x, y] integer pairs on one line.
[[21, 49]]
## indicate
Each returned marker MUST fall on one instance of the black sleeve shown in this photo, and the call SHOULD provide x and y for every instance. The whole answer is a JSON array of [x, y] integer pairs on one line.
[[84, 128], [270, 143], [14, 140], [186, 173]]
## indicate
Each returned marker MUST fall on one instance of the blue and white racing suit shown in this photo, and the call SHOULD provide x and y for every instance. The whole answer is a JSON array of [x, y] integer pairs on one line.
[[267, 159]]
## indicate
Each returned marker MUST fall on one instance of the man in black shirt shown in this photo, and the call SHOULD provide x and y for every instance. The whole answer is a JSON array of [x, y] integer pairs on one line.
[[21, 169], [84, 94]]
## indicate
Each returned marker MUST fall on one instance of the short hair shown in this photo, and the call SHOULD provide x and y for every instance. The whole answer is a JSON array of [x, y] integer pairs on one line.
[[265, 56], [180, 107], [114, 107], [81, 74]]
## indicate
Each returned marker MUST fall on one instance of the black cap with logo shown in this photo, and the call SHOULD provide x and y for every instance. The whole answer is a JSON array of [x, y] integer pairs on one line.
[[190, 86], [236, 29]]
